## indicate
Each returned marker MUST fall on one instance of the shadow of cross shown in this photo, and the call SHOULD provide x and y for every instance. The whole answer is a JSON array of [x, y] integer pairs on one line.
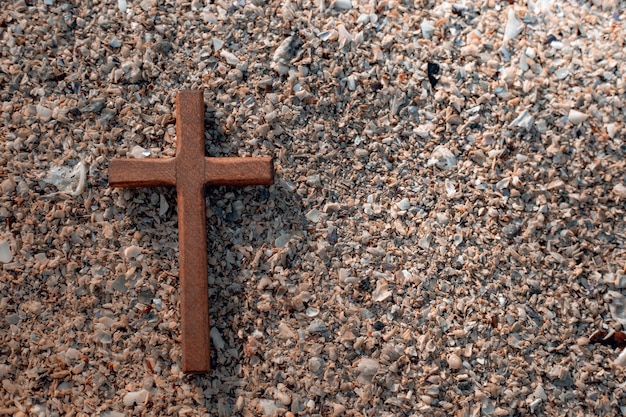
[[190, 171]]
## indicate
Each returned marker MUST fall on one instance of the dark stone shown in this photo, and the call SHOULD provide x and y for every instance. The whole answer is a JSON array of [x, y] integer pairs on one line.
[[145, 296], [433, 69], [465, 386], [511, 230], [333, 237], [162, 47], [566, 381], [550, 39], [96, 106]]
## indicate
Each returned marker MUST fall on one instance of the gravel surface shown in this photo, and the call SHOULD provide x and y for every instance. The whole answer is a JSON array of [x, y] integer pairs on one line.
[[445, 237]]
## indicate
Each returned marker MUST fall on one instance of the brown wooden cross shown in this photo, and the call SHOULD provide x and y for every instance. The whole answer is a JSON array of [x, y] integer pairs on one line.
[[190, 171]]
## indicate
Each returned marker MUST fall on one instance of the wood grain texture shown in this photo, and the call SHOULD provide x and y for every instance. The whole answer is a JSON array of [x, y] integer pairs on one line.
[[125, 173], [192, 244], [238, 171], [189, 172]]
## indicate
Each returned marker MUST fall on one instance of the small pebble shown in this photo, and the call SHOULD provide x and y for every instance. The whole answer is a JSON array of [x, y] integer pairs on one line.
[[217, 339], [147, 5], [8, 186], [5, 252], [313, 215], [229, 57], [312, 312], [284, 332], [316, 364], [454, 361], [620, 190], [163, 205], [269, 408], [367, 369], [282, 240], [283, 397], [132, 252], [44, 113], [317, 326], [343, 4]]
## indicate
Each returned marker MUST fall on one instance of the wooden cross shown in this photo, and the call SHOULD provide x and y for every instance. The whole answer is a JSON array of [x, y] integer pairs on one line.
[[190, 171]]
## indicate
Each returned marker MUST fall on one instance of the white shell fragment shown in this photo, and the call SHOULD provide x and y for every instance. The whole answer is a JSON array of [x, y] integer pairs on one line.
[[450, 189], [287, 50], [351, 80], [229, 57], [135, 397], [139, 152], [621, 358], [344, 36], [328, 35], [68, 180], [611, 130], [44, 113], [575, 117], [428, 29], [381, 293], [442, 158], [403, 204], [217, 44], [111, 413], [513, 26], [524, 120]]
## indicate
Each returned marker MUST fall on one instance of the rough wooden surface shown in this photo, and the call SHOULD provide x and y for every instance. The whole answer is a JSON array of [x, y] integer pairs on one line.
[[142, 173], [238, 171], [192, 246], [189, 172]]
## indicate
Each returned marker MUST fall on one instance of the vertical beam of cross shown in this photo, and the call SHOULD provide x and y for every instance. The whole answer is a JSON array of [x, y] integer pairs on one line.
[[190, 171]]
